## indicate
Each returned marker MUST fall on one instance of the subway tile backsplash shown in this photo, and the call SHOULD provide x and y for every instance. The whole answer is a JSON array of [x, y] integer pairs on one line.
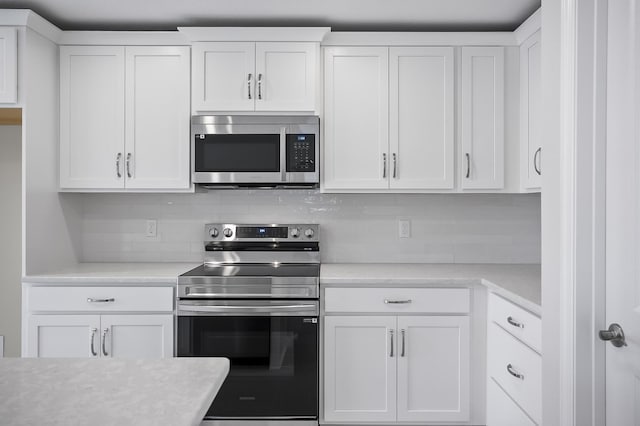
[[445, 228]]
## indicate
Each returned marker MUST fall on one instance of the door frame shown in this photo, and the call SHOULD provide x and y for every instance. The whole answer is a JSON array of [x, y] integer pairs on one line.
[[574, 41]]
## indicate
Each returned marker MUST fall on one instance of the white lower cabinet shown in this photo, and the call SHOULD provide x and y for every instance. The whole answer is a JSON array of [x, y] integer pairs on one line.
[[502, 410]]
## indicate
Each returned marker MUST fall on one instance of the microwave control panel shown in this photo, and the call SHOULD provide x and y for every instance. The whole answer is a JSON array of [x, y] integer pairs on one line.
[[301, 149]]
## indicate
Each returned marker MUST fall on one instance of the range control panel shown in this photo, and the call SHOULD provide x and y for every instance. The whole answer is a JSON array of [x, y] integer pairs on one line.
[[270, 232], [301, 155]]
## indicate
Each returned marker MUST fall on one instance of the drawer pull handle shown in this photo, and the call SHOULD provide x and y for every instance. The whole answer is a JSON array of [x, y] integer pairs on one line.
[[396, 302], [514, 373], [514, 323], [92, 300]]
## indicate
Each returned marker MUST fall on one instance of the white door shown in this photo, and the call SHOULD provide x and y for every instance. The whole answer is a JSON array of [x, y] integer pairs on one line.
[[623, 212], [530, 108], [223, 76], [92, 117], [286, 76], [421, 112], [63, 336], [356, 122], [433, 369], [136, 336], [482, 121], [157, 118], [8, 65], [360, 369]]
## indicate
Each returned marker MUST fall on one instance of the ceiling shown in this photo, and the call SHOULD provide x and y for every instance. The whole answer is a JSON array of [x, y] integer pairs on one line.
[[341, 15]]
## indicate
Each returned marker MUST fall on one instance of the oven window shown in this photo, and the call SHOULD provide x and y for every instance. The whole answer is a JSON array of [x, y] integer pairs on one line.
[[237, 153], [274, 363]]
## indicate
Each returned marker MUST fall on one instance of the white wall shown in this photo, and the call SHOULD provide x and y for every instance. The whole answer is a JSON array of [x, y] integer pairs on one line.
[[455, 228], [10, 225]]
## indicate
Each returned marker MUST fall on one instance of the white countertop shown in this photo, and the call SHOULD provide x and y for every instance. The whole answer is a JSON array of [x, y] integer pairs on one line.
[[519, 283], [101, 392]]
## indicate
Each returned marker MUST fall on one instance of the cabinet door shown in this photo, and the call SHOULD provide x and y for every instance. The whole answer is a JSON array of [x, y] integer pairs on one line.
[[530, 141], [360, 369], [157, 118], [433, 369], [356, 118], [92, 117], [286, 76], [223, 76], [136, 336], [482, 109], [8, 65], [421, 111], [63, 336]]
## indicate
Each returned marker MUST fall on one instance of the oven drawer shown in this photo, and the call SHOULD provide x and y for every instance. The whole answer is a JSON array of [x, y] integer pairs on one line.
[[516, 321], [100, 299], [388, 299]]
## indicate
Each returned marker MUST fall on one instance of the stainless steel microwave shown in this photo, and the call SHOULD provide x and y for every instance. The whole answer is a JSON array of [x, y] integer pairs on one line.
[[255, 151]]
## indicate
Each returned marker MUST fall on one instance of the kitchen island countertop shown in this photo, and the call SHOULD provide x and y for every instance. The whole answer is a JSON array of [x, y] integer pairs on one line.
[[101, 392]]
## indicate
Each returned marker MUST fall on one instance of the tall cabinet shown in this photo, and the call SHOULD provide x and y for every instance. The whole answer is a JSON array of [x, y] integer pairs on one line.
[[530, 109]]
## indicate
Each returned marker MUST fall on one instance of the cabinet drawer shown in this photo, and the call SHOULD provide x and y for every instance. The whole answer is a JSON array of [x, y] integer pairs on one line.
[[508, 354], [100, 299], [501, 410], [515, 320], [397, 300]]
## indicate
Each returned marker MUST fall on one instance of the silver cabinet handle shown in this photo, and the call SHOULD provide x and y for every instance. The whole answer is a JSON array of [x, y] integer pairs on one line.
[[403, 335], [128, 165], [396, 302], [514, 373], [93, 338], [391, 334], [514, 323], [468, 165], [395, 165], [384, 165], [249, 85], [104, 345], [118, 158], [92, 300], [536, 167], [259, 86]]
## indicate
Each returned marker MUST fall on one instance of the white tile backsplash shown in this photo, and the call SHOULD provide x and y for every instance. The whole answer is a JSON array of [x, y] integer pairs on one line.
[[445, 228]]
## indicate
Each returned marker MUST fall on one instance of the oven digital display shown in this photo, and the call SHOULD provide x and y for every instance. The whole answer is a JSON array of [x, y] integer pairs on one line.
[[261, 232]]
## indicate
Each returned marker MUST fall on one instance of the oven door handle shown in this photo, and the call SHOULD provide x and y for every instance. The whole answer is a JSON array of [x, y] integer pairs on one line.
[[239, 309]]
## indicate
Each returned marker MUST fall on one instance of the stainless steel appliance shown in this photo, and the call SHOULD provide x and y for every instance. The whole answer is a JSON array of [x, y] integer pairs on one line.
[[255, 151], [255, 301]]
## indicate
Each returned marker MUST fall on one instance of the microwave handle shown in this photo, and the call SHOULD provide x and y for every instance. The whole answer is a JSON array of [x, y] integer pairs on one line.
[[283, 154]]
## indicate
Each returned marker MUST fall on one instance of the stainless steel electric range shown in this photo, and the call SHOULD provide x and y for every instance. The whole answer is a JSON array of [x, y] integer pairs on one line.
[[255, 301]]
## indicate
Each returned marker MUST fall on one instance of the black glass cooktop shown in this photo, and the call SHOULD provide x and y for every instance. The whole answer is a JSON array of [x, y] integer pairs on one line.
[[255, 270]]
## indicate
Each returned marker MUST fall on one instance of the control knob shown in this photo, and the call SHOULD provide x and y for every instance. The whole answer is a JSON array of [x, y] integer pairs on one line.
[[213, 232], [308, 232], [295, 232], [227, 232]]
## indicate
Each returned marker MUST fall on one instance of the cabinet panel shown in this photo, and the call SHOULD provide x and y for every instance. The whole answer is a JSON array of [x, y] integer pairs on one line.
[[530, 109], [285, 76], [421, 117], [360, 373], [92, 117], [356, 118], [8, 65], [516, 321], [223, 76], [482, 109], [62, 336], [158, 117], [501, 410], [433, 368], [138, 336]]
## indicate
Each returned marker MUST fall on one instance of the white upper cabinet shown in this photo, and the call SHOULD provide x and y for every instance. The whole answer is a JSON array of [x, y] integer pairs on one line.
[[116, 136], [248, 76], [356, 130], [8, 65], [421, 117], [482, 118], [530, 108]]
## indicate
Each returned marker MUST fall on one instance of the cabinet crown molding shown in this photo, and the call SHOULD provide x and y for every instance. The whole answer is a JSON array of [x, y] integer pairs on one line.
[[195, 34], [529, 27], [379, 38]]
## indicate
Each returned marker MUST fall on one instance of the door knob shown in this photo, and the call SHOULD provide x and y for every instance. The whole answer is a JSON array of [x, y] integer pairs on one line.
[[614, 334]]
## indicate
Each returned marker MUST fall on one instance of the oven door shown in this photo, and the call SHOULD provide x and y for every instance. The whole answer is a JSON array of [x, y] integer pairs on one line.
[[239, 154], [273, 349]]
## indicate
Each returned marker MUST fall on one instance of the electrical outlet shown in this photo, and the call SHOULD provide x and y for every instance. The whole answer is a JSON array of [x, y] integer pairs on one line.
[[152, 228], [404, 229]]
